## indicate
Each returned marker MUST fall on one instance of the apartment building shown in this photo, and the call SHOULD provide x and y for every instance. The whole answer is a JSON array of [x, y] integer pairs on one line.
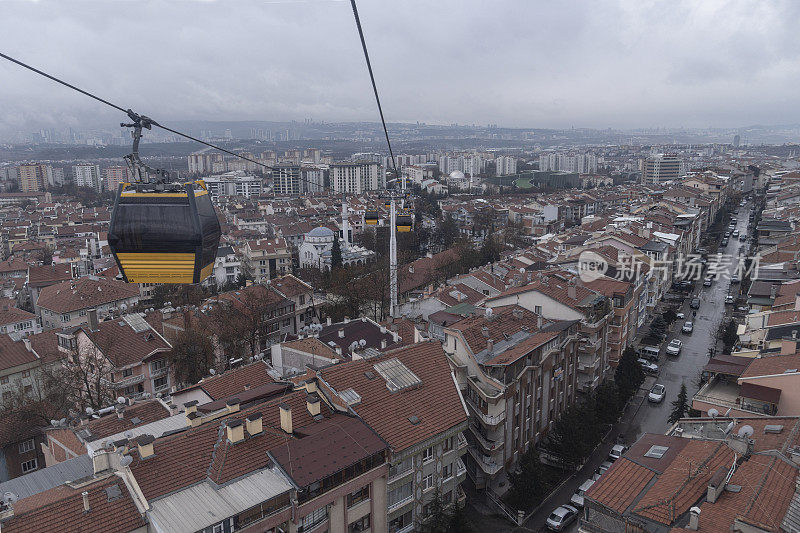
[[409, 398], [267, 258], [517, 373], [67, 304], [562, 296], [624, 297], [356, 177]]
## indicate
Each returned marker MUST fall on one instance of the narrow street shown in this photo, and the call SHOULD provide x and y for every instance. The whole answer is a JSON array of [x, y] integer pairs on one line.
[[642, 416]]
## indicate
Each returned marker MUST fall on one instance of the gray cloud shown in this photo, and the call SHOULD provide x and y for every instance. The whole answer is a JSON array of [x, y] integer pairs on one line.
[[516, 63]]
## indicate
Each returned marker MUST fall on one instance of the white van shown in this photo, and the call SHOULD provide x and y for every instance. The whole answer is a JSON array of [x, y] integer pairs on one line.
[[577, 498], [650, 352]]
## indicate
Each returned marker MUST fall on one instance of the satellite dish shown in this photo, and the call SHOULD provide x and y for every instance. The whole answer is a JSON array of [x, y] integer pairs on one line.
[[10, 497], [126, 460], [123, 306], [746, 431], [121, 400], [488, 311], [89, 411], [521, 270], [713, 413], [362, 343], [128, 435], [212, 371], [54, 422]]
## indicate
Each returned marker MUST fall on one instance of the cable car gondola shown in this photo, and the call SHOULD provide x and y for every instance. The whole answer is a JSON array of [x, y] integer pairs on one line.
[[403, 222], [162, 231], [371, 218]]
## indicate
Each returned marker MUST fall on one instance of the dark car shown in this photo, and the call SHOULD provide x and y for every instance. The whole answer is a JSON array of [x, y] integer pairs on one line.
[[695, 304]]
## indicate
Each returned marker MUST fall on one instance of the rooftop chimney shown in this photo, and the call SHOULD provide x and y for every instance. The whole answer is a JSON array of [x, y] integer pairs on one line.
[[235, 429], [341, 334], [86, 507], [329, 321], [120, 411], [383, 344], [254, 424], [485, 331], [338, 350], [694, 519], [286, 417], [716, 485], [93, 322], [193, 419], [797, 302], [572, 292], [190, 407], [313, 404], [539, 322], [517, 312], [232, 405], [145, 445], [490, 345]]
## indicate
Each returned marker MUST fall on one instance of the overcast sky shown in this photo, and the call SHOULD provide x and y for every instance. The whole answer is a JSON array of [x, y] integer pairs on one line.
[[521, 63]]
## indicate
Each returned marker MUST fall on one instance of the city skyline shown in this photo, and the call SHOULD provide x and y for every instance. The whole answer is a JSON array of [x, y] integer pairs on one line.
[[626, 66]]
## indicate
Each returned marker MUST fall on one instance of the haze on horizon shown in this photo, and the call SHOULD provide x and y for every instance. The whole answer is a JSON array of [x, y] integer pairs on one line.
[[619, 64]]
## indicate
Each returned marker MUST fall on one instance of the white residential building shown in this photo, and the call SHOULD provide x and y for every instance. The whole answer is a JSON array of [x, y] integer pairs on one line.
[[88, 176], [356, 177]]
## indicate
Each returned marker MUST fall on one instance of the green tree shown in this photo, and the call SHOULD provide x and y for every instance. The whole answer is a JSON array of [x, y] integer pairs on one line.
[[447, 231], [607, 405], [529, 482], [438, 519], [575, 434], [629, 374], [729, 336], [192, 356], [670, 316], [680, 406], [336, 253]]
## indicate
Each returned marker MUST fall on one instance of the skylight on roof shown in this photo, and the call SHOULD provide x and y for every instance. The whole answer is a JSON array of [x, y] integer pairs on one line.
[[137, 322], [397, 375], [656, 452], [350, 396]]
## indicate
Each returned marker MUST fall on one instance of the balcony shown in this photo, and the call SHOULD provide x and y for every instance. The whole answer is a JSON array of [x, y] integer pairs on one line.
[[127, 382], [158, 373], [462, 441], [488, 444], [400, 475], [489, 420], [400, 503], [487, 464], [407, 529], [461, 469]]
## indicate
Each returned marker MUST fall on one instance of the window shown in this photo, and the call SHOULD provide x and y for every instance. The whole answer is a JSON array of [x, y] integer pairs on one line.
[[314, 518], [400, 494], [27, 389], [29, 466], [26, 446], [447, 471], [26, 373], [128, 372], [358, 496], [65, 317], [427, 455], [362, 524], [401, 521], [160, 383], [537, 309], [4, 380], [447, 497], [427, 482], [447, 445], [218, 528], [302, 299], [155, 366]]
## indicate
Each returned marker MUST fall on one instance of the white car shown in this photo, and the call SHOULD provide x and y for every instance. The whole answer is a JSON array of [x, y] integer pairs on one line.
[[577, 498], [688, 327], [680, 316], [647, 366], [674, 347], [657, 393], [617, 451], [729, 299], [561, 517]]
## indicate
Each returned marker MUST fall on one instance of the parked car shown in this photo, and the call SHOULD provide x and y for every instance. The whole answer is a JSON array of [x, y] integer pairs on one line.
[[707, 281], [674, 347], [577, 498], [648, 367], [735, 233], [735, 279], [695, 303], [650, 352], [561, 517], [680, 316], [729, 299], [657, 393], [724, 242], [743, 309], [616, 452], [742, 238], [688, 327]]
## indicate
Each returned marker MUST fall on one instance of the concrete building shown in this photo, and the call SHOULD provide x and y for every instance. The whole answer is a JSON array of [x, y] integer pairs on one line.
[[505, 165], [115, 176], [659, 168], [235, 183], [356, 177], [88, 176]]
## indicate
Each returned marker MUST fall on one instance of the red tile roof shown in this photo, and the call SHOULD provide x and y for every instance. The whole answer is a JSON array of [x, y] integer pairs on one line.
[[41, 276], [84, 293], [234, 381], [14, 353], [775, 364], [621, 485], [61, 509], [436, 402], [124, 346], [502, 321], [111, 424]]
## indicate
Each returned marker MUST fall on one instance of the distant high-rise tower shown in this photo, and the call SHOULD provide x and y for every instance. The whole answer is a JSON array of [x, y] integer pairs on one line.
[[736, 140], [659, 168]]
